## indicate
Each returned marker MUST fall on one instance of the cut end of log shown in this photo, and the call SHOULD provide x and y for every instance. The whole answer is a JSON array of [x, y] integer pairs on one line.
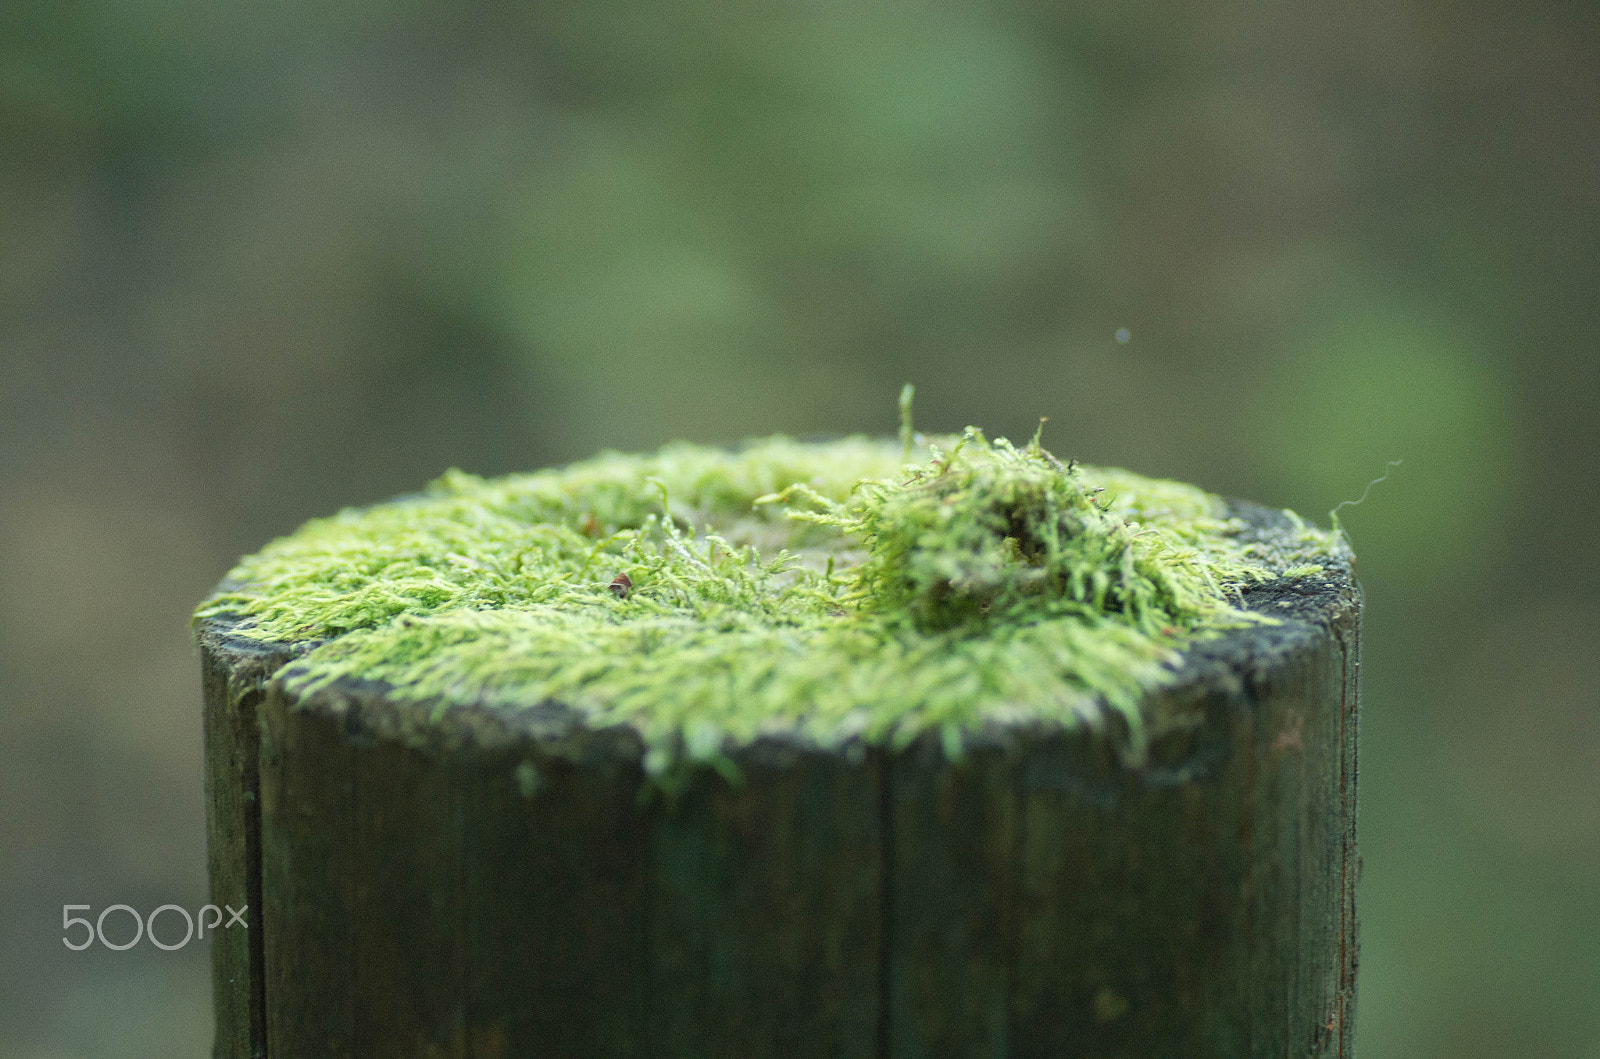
[[738, 858], [707, 598]]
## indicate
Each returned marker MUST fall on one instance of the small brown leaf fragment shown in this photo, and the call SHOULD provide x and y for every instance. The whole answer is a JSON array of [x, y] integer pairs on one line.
[[621, 585]]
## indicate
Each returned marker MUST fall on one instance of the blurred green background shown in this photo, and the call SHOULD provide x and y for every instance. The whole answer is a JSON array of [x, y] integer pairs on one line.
[[260, 261]]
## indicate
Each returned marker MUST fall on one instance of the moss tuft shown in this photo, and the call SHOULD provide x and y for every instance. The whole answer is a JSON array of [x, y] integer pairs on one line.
[[840, 590]]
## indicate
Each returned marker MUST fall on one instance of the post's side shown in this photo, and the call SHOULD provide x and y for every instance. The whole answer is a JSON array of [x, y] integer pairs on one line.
[[483, 882], [492, 884], [765, 911], [1051, 900], [457, 895], [232, 675], [1348, 631], [308, 889]]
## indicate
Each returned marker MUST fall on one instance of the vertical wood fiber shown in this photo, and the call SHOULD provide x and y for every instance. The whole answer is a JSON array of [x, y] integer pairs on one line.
[[555, 905], [953, 902], [408, 942], [309, 883], [231, 690], [765, 911], [1048, 900]]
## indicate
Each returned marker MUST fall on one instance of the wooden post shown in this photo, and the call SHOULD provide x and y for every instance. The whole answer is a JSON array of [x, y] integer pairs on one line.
[[490, 883]]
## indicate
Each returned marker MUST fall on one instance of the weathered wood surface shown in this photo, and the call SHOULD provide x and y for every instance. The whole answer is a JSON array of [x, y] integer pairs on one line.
[[233, 673], [493, 885]]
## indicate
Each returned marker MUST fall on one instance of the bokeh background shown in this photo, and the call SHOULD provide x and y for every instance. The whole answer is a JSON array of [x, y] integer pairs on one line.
[[261, 261]]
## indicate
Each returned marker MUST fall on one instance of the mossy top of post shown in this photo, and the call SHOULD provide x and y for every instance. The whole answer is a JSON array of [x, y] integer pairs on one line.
[[857, 590]]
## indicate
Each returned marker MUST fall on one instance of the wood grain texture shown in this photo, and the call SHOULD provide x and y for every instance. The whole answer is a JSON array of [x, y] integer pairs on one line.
[[1051, 901], [233, 672], [488, 883]]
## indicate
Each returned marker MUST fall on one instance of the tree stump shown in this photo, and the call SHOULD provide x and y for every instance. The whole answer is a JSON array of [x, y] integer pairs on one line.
[[455, 877]]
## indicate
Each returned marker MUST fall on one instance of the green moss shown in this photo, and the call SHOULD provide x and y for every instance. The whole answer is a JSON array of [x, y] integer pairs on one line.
[[837, 588], [1303, 570]]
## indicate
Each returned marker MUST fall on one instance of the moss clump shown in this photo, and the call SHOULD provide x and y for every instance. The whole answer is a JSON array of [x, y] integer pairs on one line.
[[990, 534], [841, 590]]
